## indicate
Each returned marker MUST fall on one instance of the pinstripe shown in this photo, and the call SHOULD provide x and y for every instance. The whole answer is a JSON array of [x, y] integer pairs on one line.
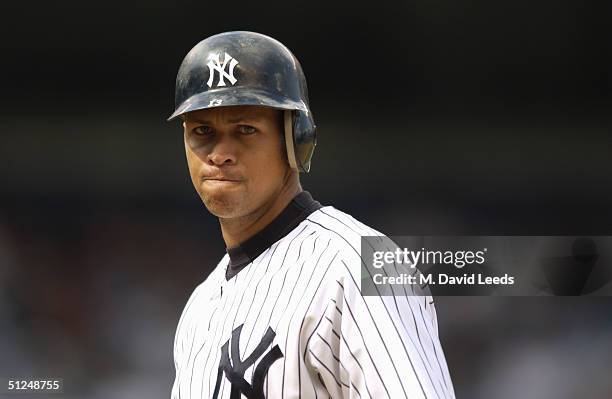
[[185, 313], [345, 344], [385, 345], [303, 319], [365, 346], [283, 285], [302, 322], [222, 325], [191, 351], [253, 273], [178, 329], [337, 308], [433, 345], [336, 358], [264, 275], [211, 343], [332, 328], [340, 383], [427, 364], [423, 349], [191, 347], [185, 316], [314, 330], [282, 264], [297, 280], [287, 337], [365, 379], [387, 310]]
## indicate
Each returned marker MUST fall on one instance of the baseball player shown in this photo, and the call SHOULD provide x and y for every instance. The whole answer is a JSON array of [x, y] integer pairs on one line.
[[281, 315]]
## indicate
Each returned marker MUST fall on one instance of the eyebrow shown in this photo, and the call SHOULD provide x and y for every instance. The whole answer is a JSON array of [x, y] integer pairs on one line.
[[240, 118]]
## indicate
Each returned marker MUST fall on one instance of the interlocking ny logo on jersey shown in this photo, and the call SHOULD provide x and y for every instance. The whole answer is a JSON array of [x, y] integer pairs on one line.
[[234, 369], [215, 65]]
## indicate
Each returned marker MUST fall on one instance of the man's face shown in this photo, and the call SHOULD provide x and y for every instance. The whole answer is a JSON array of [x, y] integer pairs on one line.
[[236, 157]]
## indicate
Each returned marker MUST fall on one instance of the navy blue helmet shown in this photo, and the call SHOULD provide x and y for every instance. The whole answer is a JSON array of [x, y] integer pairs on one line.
[[247, 68]]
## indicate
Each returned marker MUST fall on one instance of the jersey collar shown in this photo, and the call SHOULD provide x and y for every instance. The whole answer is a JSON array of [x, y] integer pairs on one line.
[[294, 213]]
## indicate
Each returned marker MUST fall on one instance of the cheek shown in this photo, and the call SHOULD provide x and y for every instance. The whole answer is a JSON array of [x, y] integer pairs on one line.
[[268, 163], [193, 163]]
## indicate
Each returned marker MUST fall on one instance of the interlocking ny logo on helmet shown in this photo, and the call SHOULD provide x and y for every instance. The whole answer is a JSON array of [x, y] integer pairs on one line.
[[215, 65]]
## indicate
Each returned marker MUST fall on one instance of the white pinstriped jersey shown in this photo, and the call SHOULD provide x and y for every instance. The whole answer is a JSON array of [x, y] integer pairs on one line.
[[293, 324]]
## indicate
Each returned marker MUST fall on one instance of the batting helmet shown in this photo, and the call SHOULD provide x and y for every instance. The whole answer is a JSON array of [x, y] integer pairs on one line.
[[247, 68]]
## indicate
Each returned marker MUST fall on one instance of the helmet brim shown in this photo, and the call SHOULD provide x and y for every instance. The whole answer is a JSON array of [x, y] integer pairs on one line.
[[232, 97]]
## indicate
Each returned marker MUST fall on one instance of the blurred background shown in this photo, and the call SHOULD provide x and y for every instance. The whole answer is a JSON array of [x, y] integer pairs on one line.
[[441, 117]]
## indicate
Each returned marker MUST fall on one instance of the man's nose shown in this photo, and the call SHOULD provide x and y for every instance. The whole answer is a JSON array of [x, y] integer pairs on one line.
[[223, 153]]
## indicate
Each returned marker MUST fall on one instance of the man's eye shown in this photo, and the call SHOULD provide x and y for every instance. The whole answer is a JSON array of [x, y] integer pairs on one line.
[[246, 129], [202, 130]]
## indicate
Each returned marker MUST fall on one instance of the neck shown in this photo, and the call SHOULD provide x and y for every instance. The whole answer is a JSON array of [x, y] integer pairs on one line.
[[238, 230]]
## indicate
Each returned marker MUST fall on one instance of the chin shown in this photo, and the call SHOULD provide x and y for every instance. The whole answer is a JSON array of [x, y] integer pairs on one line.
[[224, 205]]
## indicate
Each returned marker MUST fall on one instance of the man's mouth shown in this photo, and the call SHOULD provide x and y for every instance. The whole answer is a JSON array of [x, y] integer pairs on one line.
[[221, 182], [221, 179]]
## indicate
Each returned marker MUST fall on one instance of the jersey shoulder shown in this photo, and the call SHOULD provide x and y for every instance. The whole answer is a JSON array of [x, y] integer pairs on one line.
[[344, 230], [344, 233], [218, 274], [213, 280]]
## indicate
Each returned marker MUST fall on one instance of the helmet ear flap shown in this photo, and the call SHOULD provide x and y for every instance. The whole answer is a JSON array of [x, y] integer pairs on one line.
[[289, 143], [304, 139]]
